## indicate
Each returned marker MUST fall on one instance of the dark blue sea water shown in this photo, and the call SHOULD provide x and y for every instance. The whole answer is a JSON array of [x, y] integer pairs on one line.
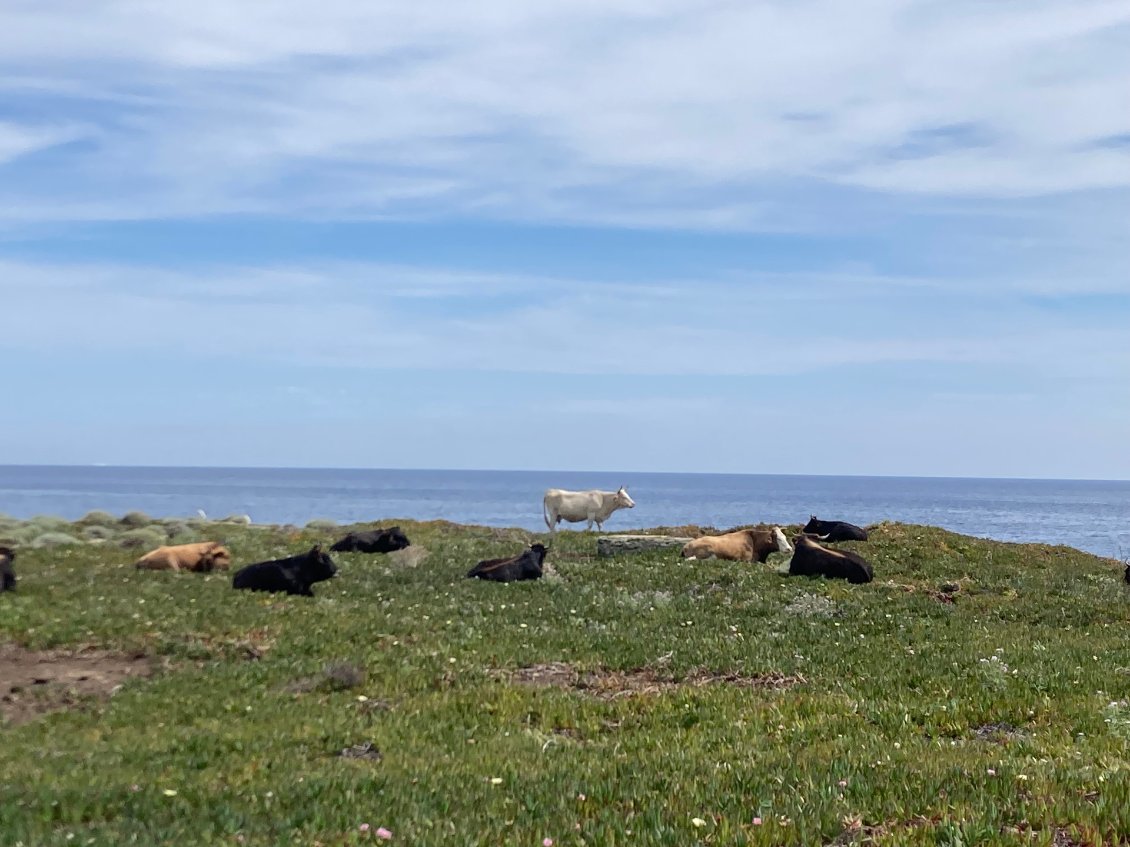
[[1093, 516]]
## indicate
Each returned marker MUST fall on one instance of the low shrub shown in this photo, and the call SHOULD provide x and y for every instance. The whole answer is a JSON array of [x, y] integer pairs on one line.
[[135, 519], [321, 523], [97, 533], [173, 529], [146, 537], [97, 518], [50, 523], [54, 539]]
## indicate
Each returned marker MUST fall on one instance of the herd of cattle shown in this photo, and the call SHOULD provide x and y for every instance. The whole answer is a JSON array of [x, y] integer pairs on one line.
[[297, 574]]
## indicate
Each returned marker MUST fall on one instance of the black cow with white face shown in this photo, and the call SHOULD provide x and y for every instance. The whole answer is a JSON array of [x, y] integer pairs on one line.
[[832, 531]]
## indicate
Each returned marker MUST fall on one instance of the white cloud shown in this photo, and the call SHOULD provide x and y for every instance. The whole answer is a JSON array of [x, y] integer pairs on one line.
[[626, 112], [376, 316], [17, 140]]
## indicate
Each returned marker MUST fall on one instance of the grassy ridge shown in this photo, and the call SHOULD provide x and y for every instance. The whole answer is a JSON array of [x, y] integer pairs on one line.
[[895, 717]]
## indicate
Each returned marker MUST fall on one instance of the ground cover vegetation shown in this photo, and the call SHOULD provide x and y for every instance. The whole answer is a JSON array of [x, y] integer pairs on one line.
[[976, 692]]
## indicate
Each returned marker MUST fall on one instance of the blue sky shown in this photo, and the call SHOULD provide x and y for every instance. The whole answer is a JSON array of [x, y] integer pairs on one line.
[[884, 237]]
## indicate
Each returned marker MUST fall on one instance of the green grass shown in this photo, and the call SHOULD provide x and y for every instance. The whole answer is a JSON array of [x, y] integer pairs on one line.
[[910, 720]]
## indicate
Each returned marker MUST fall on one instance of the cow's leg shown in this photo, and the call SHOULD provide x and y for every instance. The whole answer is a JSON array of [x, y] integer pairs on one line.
[[599, 525], [588, 526]]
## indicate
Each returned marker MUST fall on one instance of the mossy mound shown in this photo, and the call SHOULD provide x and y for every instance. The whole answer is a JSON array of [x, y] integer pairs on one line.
[[54, 539], [147, 537], [49, 523], [97, 533], [97, 518]]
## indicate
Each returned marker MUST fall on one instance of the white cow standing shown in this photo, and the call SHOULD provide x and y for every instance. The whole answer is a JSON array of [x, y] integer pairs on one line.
[[592, 506]]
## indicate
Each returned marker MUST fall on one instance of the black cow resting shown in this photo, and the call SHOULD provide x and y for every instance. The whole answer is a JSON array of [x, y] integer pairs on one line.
[[834, 530], [7, 572], [294, 575], [527, 565], [372, 541], [810, 559]]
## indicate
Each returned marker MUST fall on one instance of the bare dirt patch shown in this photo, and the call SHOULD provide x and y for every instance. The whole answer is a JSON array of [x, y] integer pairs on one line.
[[35, 682], [999, 732], [610, 685], [366, 751]]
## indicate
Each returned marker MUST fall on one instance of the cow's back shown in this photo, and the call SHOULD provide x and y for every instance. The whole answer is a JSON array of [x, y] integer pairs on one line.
[[574, 504], [264, 576], [735, 546], [178, 557]]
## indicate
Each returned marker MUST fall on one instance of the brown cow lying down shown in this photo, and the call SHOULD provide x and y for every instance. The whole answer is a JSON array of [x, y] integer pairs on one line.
[[745, 545], [202, 557], [811, 559]]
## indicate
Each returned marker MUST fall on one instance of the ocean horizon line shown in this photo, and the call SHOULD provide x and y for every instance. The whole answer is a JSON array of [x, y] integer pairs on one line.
[[541, 471]]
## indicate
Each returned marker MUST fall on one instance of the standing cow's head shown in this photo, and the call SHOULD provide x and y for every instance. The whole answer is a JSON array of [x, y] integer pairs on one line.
[[623, 500]]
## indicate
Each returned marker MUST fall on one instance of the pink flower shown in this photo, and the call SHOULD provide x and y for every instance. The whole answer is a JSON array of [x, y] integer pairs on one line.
[[842, 783], [757, 821], [364, 827], [992, 772], [547, 842], [383, 833], [581, 797]]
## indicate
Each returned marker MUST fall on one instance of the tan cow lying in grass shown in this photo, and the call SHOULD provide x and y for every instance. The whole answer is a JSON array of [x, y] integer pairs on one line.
[[745, 545], [201, 557]]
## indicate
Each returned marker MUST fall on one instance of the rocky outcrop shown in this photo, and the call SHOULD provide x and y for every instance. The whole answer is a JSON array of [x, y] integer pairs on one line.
[[617, 545]]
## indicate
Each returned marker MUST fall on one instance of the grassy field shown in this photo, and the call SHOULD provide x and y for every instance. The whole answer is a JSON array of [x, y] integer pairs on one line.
[[638, 700]]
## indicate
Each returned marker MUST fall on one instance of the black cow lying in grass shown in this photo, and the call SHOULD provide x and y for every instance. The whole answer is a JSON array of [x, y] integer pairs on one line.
[[372, 541], [810, 559], [834, 530], [527, 565], [7, 572], [294, 575]]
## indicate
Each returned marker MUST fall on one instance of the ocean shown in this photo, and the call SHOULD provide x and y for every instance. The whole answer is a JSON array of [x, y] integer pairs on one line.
[[1089, 515]]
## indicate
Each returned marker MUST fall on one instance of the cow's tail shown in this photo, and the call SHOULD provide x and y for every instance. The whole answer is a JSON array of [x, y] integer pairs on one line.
[[545, 513]]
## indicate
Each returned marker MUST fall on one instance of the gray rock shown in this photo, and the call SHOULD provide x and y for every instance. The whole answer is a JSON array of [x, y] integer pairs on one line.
[[617, 545]]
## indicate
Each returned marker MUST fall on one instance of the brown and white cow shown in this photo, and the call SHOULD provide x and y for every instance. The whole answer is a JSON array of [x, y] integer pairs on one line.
[[201, 557], [745, 545]]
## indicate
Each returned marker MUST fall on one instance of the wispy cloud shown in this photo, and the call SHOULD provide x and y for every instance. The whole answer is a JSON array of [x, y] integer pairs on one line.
[[694, 113], [375, 316]]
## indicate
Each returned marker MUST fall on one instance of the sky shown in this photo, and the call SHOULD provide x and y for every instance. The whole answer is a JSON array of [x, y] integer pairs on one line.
[[883, 237]]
